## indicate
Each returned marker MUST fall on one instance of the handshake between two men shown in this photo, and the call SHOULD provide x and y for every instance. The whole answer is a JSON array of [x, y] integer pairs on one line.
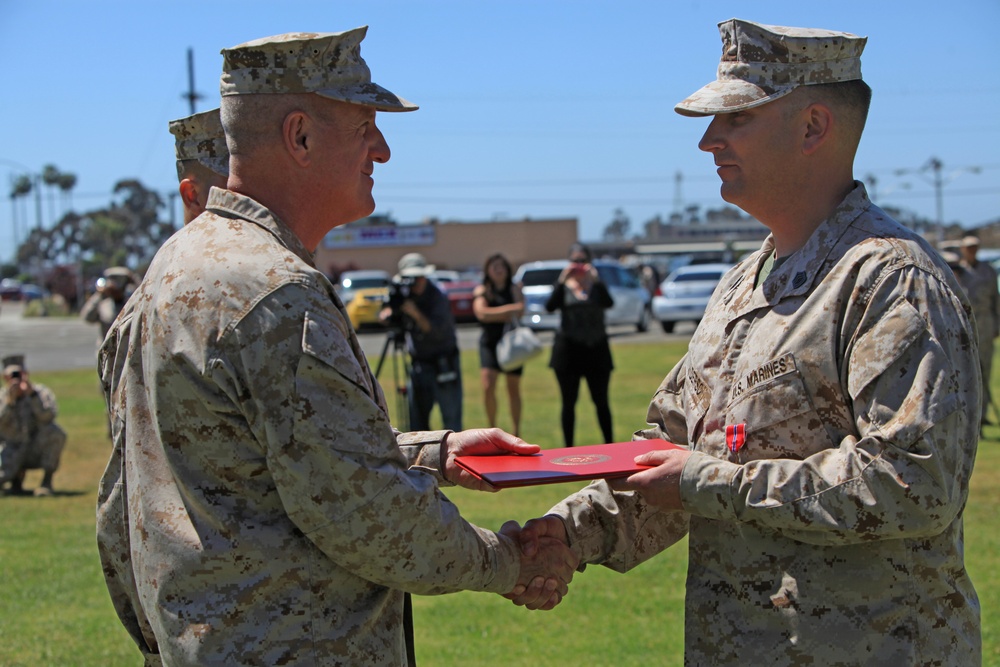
[[547, 562]]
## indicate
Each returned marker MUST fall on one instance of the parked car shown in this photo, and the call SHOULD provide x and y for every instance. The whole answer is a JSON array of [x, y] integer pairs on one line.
[[537, 278], [31, 292], [10, 289], [442, 276], [350, 281], [684, 294], [365, 305], [15, 290], [459, 293]]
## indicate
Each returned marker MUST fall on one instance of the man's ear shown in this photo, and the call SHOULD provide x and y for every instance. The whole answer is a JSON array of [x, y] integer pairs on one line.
[[189, 192], [296, 135], [819, 124]]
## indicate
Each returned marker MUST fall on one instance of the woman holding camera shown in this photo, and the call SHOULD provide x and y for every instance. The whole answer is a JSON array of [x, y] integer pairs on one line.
[[581, 347], [496, 302]]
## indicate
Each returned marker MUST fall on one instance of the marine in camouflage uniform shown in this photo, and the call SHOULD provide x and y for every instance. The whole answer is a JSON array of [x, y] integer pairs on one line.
[[831, 420], [30, 439], [979, 280], [258, 507], [202, 159]]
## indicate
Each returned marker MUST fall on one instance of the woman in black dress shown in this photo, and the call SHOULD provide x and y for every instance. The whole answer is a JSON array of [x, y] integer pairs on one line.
[[496, 302], [581, 347]]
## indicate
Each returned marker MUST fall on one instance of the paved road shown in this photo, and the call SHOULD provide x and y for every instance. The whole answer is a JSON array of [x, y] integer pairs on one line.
[[48, 343], [51, 344]]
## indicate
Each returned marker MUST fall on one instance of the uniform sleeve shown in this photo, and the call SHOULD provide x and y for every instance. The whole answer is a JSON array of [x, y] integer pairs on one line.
[[338, 468], [90, 312], [994, 288], [8, 415], [912, 378], [113, 533], [618, 529], [43, 405], [422, 451]]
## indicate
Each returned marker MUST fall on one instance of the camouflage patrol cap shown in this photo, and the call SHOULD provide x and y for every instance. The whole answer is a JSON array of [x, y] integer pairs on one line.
[[200, 137], [761, 63], [13, 363], [328, 64]]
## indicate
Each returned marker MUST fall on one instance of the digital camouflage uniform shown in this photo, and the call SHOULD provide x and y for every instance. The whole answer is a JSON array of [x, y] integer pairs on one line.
[[29, 436], [834, 417], [259, 508], [102, 310]]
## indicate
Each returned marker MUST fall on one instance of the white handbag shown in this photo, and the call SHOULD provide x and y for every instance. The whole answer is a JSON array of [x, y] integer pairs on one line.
[[518, 345]]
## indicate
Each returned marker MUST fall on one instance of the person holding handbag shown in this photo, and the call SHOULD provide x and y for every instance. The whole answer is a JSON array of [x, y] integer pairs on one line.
[[581, 347], [496, 303]]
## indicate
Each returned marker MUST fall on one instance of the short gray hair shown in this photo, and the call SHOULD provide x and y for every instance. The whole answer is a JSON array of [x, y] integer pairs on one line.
[[251, 121]]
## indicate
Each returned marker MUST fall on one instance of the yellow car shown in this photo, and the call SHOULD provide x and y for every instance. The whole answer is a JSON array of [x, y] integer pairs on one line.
[[364, 308]]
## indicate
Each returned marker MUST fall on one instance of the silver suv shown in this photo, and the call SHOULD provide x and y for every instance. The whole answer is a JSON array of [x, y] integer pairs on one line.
[[537, 279]]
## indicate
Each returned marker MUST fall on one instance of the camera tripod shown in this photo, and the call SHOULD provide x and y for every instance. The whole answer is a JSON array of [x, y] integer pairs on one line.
[[395, 346]]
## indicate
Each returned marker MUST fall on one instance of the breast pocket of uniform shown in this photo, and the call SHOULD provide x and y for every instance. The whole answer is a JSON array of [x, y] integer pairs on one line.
[[773, 418], [333, 385]]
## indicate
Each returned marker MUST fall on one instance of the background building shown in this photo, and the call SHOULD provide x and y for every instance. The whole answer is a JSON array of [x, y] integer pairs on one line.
[[377, 242]]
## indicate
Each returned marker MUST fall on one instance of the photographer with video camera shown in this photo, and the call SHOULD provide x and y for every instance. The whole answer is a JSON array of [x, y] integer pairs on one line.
[[111, 291], [418, 309]]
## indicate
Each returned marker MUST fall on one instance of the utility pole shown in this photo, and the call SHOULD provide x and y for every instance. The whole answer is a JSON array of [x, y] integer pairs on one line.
[[938, 181], [935, 165], [191, 96], [678, 196]]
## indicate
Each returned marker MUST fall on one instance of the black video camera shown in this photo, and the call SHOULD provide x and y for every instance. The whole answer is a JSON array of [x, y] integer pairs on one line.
[[399, 291]]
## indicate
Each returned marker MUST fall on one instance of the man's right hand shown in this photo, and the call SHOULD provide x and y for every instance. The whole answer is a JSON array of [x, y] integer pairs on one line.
[[547, 563]]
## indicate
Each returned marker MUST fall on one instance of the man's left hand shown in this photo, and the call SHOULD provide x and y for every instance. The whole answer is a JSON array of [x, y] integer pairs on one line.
[[659, 486], [478, 442]]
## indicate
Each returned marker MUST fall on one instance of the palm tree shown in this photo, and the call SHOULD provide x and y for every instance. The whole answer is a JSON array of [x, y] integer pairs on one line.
[[50, 176], [67, 182], [20, 187]]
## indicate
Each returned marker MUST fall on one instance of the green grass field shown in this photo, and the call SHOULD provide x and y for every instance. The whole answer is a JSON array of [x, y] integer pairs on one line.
[[54, 609]]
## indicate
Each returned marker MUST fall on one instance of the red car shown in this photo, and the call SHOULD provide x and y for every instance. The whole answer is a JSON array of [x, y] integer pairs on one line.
[[459, 293]]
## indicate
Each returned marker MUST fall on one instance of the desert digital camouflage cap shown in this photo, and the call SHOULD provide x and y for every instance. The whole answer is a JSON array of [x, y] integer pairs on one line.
[[200, 137], [13, 363], [761, 63], [328, 64]]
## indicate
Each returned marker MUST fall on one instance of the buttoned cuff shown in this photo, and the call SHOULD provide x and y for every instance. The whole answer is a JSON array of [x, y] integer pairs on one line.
[[422, 450], [707, 487]]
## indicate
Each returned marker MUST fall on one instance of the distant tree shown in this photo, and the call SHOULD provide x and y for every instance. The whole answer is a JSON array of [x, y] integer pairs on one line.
[[50, 177], [21, 186], [618, 228], [67, 182], [654, 228], [127, 232]]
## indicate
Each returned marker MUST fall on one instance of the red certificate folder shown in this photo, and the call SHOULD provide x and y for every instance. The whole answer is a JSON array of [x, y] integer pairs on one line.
[[567, 464]]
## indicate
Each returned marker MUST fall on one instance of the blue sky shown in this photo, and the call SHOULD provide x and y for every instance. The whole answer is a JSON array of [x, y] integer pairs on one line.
[[528, 109]]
